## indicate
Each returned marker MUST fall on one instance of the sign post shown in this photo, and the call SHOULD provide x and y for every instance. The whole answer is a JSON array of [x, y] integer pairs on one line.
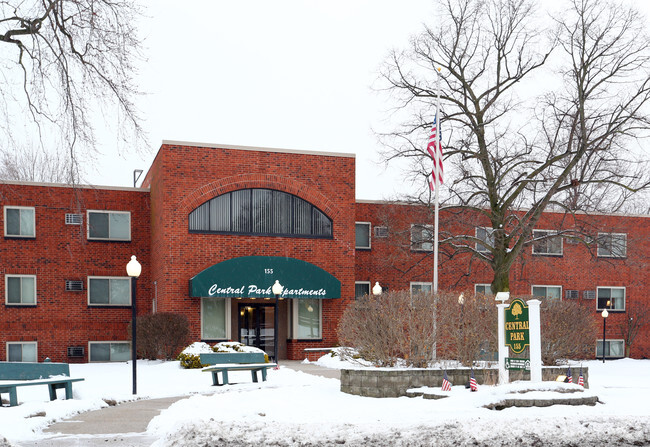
[[504, 375], [535, 341]]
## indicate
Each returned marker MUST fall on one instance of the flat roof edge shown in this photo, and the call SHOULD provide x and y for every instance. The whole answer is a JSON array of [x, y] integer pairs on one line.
[[257, 148], [67, 185]]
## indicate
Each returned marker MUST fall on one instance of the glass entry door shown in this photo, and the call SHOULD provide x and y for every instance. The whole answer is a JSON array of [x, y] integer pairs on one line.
[[256, 326]]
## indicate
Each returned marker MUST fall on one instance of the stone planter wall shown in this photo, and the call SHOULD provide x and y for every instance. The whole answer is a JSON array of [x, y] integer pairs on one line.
[[394, 383]]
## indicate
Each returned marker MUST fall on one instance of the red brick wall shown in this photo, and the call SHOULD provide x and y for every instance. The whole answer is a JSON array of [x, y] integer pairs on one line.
[[59, 252], [391, 262], [184, 177]]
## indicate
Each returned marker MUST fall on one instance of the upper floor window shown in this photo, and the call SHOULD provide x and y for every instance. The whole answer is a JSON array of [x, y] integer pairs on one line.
[[422, 237], [21, 351], [487, 236], [550, 292], [610, 298], [260, 211], [20, 289], [546, 242], [19, 221], [362, 234], [109, 291], [612, 245], [109, 225]]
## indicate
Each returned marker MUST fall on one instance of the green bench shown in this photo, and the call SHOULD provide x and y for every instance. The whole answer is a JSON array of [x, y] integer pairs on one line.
[[16, 374], [222, 362]]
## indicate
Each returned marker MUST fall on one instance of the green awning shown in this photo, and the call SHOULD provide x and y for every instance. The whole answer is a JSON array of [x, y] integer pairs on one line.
[[253, 277]]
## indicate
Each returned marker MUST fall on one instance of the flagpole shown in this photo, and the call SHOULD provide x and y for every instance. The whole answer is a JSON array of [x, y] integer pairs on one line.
[[436, 183]]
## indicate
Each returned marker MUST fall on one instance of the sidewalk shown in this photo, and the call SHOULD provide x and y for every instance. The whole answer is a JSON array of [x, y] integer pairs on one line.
[[125, 424]]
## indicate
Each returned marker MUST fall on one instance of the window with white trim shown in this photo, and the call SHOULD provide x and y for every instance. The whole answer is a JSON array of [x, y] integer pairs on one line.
[[362, 235], [109, 225], [549, 292], [485, 289], [19, 221], [21, 351], [109, 291], [307, 319], [613, 349], [487, 236], [20, 290], [109, 351], [361, 288], [610, 298], [421, 237], [546, 242], [612, 245], [420, 287], [215, 319]]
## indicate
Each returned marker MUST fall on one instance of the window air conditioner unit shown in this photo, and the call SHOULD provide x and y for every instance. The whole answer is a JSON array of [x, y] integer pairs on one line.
[[381, 231], [74, 286], [589, 295], [73, 219], [75, 351]]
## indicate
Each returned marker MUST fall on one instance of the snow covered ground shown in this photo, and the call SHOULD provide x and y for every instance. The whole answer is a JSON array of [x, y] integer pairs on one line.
[[296, 409]]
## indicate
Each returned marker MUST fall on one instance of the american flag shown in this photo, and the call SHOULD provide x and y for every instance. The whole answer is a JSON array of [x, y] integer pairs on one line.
[[581, 380], [569, 377], [435, 150], [472, 383], [446, 386]]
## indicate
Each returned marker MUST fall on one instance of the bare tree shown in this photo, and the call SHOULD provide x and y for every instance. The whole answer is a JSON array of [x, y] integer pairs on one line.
[[35, 165], [64, 61], [509, 145], [637, 317]]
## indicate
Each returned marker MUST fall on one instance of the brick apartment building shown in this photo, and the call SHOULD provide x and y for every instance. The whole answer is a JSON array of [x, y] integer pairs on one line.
[[215, 226]]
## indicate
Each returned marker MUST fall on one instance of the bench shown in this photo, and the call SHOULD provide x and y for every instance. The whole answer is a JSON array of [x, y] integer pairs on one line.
[[16, 374], [222, 362]]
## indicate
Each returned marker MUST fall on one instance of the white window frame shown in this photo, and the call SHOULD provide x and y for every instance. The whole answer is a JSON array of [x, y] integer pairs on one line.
[[35, 343], [125, 278], [294, 320], [7, 276], [26, 236], [489, 239], [368, 283], [612, 254], [488, 288], [362, 247], [599, 342], [546, 239], [420, 283], [546, 286], [421, 244], [610, 309], [103, 342], [227, 316], [89, 212]]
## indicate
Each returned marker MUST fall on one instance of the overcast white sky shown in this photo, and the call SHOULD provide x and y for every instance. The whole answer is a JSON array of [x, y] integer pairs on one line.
[[283, 74], [289, 74]]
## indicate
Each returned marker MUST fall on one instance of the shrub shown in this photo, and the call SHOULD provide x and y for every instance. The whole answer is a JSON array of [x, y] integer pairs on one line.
[[161, 335], [568, 331], [189, 361]]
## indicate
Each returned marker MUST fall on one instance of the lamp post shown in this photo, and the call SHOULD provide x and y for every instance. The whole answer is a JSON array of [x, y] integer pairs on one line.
[[376, 289], [277, 291], [133, 269], [604, 314]]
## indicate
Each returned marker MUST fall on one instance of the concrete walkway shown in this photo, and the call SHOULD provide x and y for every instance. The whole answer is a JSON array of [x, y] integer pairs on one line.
[[125, 424]]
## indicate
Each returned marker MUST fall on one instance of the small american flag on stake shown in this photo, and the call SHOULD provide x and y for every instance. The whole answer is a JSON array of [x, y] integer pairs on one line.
[[435, 150], [472, 383], [569, 377], [446, 385], [581, 380]]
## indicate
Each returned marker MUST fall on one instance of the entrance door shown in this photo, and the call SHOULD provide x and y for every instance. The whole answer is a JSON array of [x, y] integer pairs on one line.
[[256, 326]]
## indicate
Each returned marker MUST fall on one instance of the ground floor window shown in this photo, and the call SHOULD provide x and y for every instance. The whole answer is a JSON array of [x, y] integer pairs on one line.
[[307, 319], [420, 288], [485, 289], [215, 318], [361, 288], [21, 351], [613, 349], [105, 351]]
